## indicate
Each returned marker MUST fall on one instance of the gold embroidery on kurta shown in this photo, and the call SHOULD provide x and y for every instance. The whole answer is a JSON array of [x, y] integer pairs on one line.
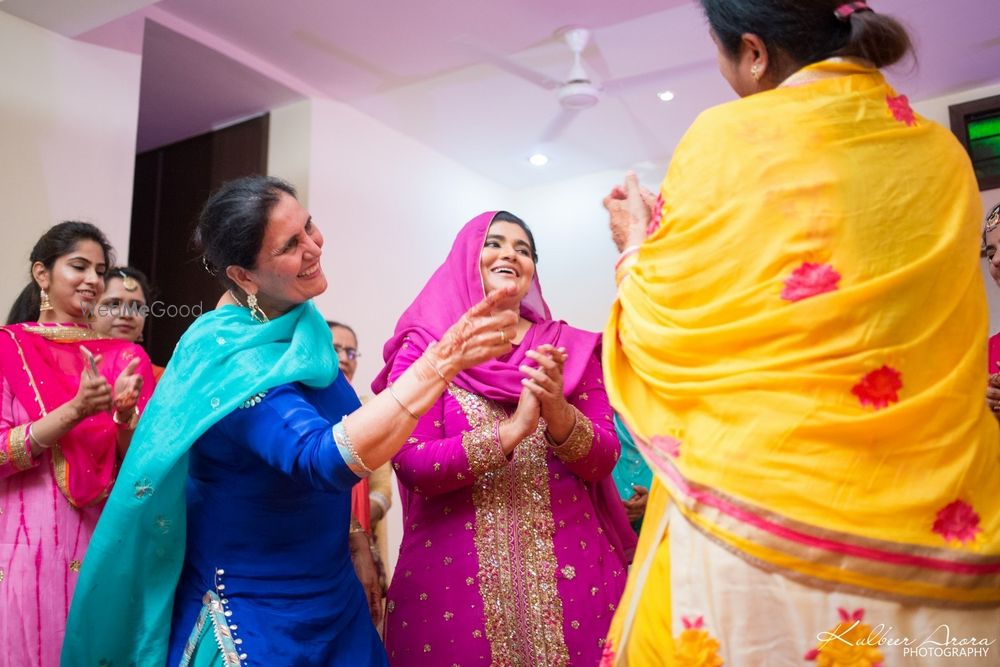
[[513, 537], [579, 442], [17, 445]]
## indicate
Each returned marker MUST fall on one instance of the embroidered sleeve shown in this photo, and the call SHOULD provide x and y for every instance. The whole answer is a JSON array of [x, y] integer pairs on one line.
[[592, 449], [483, 450], [15, 451], [446, 451], [579, 442]]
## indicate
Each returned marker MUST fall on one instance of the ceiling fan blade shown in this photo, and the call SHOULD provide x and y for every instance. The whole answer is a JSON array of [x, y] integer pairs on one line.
[[646, 135], [596, 61], [508, 65], [660, 76], [558, 124]]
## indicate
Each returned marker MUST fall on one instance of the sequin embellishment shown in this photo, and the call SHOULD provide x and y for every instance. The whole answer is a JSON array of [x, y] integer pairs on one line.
[[518, 585]]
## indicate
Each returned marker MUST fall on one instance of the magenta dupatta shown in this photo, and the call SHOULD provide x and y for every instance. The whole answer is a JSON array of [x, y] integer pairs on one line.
[[455, 287], [42, 364]]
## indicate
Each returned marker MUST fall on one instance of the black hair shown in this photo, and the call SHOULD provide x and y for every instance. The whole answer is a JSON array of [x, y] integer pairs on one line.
[[231, 225], [122, 272], [333, 323], [59, 240], [800, 32], [506, 216]]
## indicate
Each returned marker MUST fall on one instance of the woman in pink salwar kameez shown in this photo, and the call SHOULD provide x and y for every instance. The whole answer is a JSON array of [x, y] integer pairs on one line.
[[63, 431], [515, 547]]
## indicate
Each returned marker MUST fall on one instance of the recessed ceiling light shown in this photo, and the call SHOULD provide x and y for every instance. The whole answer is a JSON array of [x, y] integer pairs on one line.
[[539, 160], [666, 95]]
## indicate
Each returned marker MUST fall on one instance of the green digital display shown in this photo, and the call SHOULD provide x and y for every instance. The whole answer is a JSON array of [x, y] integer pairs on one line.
[[984, 144]]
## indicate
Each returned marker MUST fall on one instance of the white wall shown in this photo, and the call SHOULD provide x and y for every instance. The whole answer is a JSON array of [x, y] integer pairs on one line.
[[389, 208], [937, 110], [576, 256], [68, 114]]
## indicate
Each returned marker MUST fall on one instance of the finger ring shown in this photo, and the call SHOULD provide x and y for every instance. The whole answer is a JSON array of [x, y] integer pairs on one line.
[[503, 336]]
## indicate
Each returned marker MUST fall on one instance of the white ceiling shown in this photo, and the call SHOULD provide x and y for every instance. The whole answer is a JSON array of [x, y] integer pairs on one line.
[[425, 69]]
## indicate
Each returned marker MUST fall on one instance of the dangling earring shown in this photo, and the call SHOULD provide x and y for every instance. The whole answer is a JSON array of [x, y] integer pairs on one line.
[[255, 311], [44, 304], [755, 72]]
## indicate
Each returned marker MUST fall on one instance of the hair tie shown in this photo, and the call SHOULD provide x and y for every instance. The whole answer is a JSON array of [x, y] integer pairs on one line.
[[844, 11]]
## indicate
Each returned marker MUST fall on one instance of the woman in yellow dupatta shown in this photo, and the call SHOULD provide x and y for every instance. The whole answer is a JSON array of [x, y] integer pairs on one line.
[[798, 348]]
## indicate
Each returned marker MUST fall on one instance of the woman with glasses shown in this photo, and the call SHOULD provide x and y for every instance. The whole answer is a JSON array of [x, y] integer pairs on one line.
[[371, 497]]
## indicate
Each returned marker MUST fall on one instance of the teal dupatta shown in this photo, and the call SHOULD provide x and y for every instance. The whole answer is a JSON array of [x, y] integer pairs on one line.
[[122, 608]]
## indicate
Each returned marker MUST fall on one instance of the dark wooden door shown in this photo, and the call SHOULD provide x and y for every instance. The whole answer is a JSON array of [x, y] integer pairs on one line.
[[171, 186]]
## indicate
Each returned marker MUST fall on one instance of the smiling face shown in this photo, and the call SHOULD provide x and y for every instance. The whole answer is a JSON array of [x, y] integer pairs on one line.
[[74, 283], [992, 254], [288, 271], [506, 259], [121, 312]]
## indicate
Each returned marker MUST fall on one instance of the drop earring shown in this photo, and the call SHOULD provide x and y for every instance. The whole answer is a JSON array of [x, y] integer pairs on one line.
[[43, 302], [255, 310]]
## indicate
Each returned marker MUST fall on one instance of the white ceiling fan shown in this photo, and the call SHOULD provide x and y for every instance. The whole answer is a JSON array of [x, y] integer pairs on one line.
[[579, 90]]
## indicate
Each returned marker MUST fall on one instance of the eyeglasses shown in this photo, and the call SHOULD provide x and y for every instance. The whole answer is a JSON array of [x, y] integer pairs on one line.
[[350, 352]]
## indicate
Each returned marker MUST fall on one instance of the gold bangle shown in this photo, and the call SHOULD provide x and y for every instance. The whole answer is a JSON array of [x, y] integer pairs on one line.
[[435, 369], [392, 392], [127, 423]]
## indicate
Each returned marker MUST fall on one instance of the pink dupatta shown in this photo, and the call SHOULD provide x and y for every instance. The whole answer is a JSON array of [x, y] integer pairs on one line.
[[42, 364], [455, 287]]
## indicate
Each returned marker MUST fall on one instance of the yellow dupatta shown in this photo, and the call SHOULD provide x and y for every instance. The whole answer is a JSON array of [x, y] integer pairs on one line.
[[799, 349]]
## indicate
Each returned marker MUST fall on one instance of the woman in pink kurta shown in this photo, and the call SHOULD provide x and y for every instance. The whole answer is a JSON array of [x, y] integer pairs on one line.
[[63, 430], [515, 545]]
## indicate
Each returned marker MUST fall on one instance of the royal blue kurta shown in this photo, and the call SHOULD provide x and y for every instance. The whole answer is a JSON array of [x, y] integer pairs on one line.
[[268, 511]]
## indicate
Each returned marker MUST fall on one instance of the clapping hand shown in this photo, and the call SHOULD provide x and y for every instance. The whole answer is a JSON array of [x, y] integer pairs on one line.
[[630, 207], [993, 394], [94, 392], [479, 335], [546, 383], [127, 387]]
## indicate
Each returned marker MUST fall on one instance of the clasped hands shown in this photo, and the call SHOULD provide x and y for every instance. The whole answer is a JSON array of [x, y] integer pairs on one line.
[[541, 398]]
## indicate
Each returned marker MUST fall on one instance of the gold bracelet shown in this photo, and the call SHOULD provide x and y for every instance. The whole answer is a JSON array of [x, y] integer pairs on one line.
[[127, 423], [392, 392], [435, 369]]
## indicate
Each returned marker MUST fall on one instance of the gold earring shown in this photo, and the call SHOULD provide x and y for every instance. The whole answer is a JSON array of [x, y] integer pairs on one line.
[[255, 310], [44, 304], [755, 72]]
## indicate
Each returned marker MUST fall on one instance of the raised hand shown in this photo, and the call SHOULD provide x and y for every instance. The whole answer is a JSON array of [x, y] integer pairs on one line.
[[993, 394], [630, 208], [94, 392], [522, 423], [127, 387], [546, 383], [479, 335]]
